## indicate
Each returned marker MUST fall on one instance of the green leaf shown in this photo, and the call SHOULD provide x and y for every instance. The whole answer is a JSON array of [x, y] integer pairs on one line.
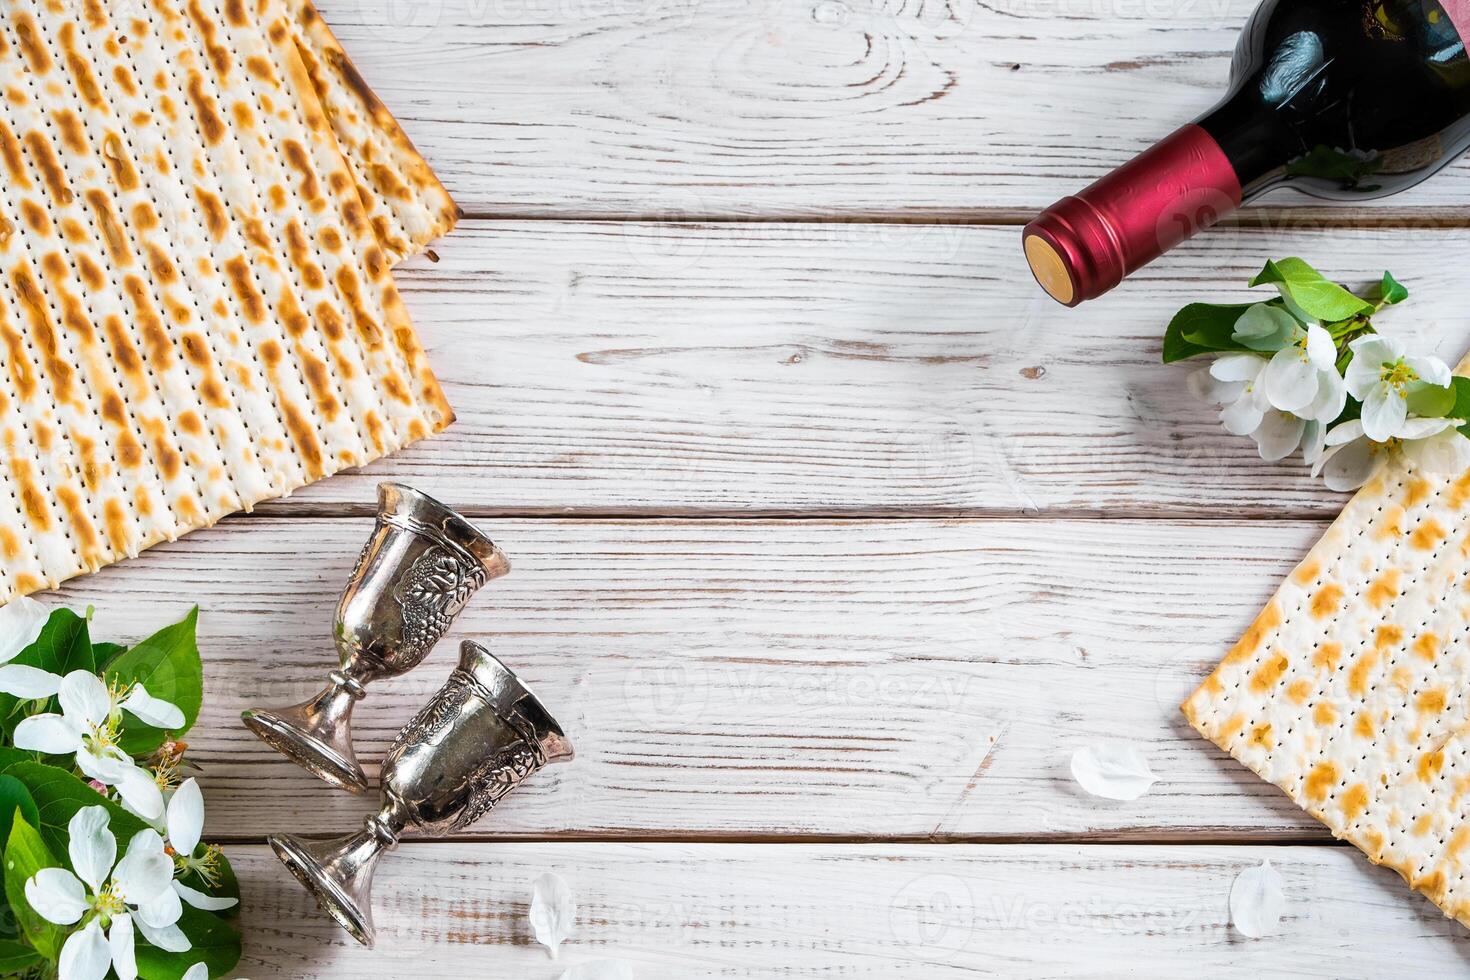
[[15, 798], [106, 653], [1202, 328], [1265, 328], [16, 957], [167, 664], [62, 647], [1387, 292], [1461, 407], [1305, 287], [25, 854], [9, 756], [214, 942], [60, 794], [1432, 402]]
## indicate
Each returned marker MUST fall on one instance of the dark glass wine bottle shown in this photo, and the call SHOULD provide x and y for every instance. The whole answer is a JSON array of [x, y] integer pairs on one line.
[[1343, 99]]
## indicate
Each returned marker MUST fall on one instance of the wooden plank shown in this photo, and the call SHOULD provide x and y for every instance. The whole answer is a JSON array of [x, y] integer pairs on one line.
[[908, 679], [680, 912], [612, 368], [720, 108]]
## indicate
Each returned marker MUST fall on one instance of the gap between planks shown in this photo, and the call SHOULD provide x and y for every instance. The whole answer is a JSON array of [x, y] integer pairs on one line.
[[286, 508], [1177, 839], [1272, 217]]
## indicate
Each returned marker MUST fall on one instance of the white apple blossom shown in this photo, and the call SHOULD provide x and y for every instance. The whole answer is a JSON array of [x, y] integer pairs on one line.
[[1302, 377], [1235, 381], [184, 822], [1351, 457], [109, 901], [1444, 453], [89, 726], [1314, 442], [21, 622], [1278, 435], [1382, 377]]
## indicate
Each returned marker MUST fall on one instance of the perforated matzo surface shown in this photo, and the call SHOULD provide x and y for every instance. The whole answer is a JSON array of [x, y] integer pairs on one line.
[[195, 311], [1349, 691], [407, 204]]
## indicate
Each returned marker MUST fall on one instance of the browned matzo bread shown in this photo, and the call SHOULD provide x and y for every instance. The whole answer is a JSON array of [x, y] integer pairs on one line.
[[195, 311], [407, 204], [1351, 690]]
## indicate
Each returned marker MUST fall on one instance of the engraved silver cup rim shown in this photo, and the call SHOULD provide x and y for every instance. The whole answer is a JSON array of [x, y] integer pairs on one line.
[[401, 504], [511, 695]]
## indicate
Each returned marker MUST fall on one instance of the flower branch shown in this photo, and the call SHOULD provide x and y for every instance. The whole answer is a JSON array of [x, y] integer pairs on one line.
[[90, 754], [1308, 371]]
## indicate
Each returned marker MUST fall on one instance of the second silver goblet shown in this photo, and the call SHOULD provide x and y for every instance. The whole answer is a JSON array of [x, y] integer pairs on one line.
[[476, 740], [417, 571]]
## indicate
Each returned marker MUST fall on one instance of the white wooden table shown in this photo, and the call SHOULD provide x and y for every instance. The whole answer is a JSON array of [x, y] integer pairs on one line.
[[832, 537]]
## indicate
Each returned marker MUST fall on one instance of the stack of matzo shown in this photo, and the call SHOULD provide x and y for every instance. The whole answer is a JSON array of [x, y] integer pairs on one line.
[[199, 205], [1351, 691]]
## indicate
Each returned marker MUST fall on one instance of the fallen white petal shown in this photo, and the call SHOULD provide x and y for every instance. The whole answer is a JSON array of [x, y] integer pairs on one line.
[[1257, 901], [196, 972], [599, 970], [1112, 770], [553, 913]]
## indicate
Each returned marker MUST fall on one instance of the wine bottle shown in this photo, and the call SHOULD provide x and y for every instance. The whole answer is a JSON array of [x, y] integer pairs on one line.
[[1342, 99]]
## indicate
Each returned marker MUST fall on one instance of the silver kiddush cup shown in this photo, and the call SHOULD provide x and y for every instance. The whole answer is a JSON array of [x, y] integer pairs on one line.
[[417, 571], [475, 741]]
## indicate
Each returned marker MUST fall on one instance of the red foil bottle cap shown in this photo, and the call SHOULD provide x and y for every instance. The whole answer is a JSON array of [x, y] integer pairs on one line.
[[1083, 246]]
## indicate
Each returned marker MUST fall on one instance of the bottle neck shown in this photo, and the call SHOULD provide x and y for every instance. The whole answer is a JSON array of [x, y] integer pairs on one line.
[[1252, 139], [1083, 246]]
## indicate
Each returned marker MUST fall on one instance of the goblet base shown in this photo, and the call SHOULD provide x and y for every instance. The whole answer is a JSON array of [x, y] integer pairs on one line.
[[332, 895], [325, 754]]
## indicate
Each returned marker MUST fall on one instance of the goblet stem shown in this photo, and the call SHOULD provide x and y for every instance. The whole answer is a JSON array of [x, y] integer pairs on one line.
[[316, 734]]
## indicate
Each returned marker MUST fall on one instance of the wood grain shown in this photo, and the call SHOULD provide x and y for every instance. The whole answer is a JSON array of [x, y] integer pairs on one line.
[[848, 369], [834, 744], [724, 108], [917, 679], [881, 911]]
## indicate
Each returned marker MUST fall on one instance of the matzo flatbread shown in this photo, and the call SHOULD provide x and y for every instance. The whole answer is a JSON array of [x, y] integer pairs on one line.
[[1349, 691], [407, 204], [195, 310]]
